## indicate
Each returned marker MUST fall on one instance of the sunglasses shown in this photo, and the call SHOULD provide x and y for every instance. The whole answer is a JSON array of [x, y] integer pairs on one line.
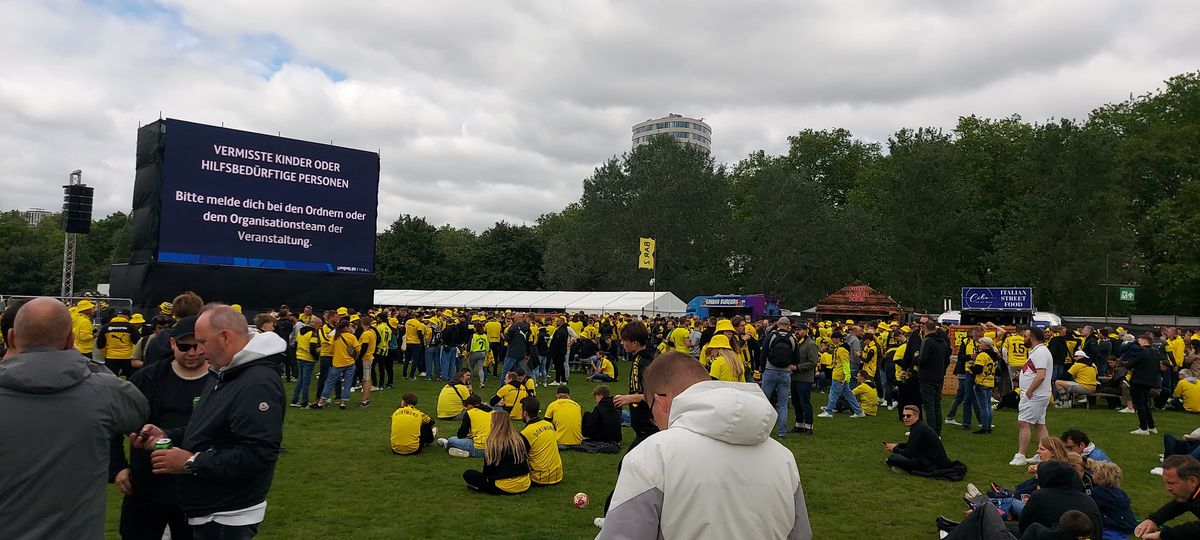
[[185, 347], [650, 399], [910, 416]]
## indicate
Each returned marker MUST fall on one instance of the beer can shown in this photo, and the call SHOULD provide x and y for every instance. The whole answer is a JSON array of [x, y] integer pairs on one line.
[[162, 444]]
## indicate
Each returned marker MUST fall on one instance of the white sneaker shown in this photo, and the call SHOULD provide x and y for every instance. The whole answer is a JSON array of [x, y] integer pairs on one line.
[[598, 522], [824, 415], [892, 406], [422, 373], [458, 452], [434, 430], [953, 422], [1127, 410], [822, 408], [1154, 430], [441, 442], [1157, 471], [972, 491], [1140, 432], [1034, 459], [1018, 459], [859, 415]]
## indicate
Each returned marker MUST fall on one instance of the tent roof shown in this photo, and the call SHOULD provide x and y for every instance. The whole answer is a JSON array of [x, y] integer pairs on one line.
[[635, 302]]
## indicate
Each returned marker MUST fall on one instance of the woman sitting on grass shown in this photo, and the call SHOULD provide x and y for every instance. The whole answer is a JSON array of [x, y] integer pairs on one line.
[[505, 462], [1116, 512], [1049, 448]]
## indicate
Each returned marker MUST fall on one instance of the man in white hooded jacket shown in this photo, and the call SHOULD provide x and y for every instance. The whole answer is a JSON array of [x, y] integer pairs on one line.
[[713, 471]]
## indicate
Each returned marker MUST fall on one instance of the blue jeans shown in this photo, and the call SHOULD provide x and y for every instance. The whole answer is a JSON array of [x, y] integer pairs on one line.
[[840, 389], [970, 404], [883, 380], [449, 363], [983, 400], [464, 444], [510, 364], [601, 377], [960, 396], [301, 389], [344, 375], [1058, 371], [802, 401], [431, 362], [539, 370], [414, 354], [780, 383]]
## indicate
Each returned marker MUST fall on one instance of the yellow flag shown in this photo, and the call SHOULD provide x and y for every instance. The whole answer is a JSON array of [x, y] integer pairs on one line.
[[646, 253]]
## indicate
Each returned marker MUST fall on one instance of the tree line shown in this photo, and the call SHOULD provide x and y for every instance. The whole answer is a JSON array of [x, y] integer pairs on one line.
[[1061, 206]]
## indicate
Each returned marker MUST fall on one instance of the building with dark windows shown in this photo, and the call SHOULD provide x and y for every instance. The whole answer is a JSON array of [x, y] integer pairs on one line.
[[684, 129]]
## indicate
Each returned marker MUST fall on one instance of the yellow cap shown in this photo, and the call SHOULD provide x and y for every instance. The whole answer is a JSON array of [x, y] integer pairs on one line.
[[236, 307], [849, 321], [447, 313], [165, 308], [342, 311], [394, 321], [137, 319], [354, 318], [725, 325], [84, 305], [719, 341], [905, 329]]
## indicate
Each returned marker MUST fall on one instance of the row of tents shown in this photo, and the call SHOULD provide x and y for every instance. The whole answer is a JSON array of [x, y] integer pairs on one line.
[[629, 302]]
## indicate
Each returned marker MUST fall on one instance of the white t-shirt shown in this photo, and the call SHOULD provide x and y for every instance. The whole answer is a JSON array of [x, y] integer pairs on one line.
[[1039, 358]]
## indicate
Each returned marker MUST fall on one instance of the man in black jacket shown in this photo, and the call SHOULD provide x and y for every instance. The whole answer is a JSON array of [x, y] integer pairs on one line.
[[1181, 477], [1144, 365], [228, 449], [931, 370], [1058, 492], [1059, 353], [922, 452], [603, 423]]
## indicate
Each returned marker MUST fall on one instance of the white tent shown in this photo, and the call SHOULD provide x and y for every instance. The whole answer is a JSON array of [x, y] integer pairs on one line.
[[633, 302]]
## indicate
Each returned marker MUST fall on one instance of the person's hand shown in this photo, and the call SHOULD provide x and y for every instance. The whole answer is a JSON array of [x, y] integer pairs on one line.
[[793, 367], [1029, 394], [889, 446], [623, 400], [146, 437], [1032, 469], [137, 364], [169, 461], [1144, 528], [122, 482]]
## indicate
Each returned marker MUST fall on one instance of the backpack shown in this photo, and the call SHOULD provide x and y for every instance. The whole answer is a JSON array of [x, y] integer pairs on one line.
[[781, 349]]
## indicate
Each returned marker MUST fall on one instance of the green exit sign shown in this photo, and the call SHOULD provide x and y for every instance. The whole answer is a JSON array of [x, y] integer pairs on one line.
[[1127, 294]]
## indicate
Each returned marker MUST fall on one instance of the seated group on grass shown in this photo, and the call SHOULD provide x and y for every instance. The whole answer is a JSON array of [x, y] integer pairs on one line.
[[1075, 493], [512, 460]]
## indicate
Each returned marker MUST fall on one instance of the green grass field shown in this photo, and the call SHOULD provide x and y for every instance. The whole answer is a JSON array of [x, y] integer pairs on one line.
[[338, 478]]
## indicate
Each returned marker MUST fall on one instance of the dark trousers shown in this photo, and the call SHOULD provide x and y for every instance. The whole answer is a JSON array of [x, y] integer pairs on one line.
[[1177, 447], [120, 368], [290, 369], [1141, 403], [931, 402], [985, 523], [1170, 378], [385, 368], [325, 363], [897, 460], [478, 482], [498, 350], [143, 519], [560, 368], [215, 531], [802, 401], [414, 360]]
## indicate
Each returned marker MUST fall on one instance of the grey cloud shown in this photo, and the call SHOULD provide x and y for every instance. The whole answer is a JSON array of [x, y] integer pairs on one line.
[[497, 110]]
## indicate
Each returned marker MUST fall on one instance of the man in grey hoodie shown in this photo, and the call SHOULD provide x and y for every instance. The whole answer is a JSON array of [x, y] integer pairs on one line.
[[59, 415]]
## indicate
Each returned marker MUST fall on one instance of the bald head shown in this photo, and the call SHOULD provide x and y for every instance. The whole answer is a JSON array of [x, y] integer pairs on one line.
[[220, 333], [674, 372], [43, 322]]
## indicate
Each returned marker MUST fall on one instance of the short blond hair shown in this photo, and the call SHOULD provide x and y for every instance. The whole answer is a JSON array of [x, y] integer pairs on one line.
[[1106, 473]]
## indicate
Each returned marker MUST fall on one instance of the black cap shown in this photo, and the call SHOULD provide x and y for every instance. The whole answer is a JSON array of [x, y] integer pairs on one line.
[[161, 319], [185, 327]]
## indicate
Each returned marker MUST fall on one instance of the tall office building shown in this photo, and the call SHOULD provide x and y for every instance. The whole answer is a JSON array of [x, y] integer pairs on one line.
[[684, 129]]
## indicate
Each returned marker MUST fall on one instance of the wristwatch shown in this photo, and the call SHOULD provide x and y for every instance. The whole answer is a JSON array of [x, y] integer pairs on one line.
[[189, 465]]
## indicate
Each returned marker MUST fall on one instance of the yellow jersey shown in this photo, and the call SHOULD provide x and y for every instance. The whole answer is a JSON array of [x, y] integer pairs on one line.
[[1018, 352], [1188, 392], [567, 417], [450, 400], [492, 329], [867, 398], [369, 338], [479, 424], [841, 364], [678, 338], [325, 343], [406, 429], [606, 368], [414, 332], [85, 340], [1084, 374], [116, 339], [545, 464], [345, 348], [304, 341], [720, 370], [986, 378], [511, 395]]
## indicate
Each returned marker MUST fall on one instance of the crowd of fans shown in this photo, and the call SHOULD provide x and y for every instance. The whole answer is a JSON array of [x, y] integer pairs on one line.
[[861, 367]]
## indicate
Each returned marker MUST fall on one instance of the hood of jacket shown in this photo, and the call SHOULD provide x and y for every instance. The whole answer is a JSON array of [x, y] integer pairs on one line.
[[44, 371], [734, 413], [1055, 474], [259, 347]]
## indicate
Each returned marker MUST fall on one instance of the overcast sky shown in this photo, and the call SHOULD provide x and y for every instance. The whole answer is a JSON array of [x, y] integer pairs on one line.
[[490, 110]]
